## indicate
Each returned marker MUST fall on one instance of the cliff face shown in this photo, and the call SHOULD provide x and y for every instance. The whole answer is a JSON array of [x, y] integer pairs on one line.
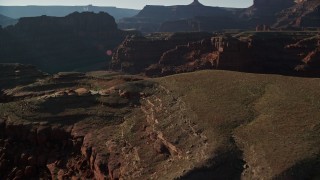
[[137, 53], [150, 18], [214, 53], [261, 52], [303, 14], [197, 17], [77, 41], [308, 51], [264, 11]]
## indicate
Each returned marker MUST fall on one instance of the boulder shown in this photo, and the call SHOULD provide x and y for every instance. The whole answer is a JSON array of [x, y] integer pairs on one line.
[[82, 92]]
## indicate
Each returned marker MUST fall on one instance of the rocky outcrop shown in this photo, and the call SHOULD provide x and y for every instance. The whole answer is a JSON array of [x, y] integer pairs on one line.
[[138, 52], [40, 151], [302, 15], [77, 41], [308, 52], [44, 130]]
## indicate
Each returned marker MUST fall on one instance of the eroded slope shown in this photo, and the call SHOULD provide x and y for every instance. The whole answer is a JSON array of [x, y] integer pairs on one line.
[[201, 125]]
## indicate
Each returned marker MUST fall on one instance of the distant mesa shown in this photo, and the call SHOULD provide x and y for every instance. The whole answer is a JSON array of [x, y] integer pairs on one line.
[[78, 41], [150, 18], [196, 3], [284, 14], [60, 11]]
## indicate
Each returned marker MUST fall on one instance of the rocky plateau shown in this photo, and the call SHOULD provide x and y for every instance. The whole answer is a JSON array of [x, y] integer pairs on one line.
[[107, 125]]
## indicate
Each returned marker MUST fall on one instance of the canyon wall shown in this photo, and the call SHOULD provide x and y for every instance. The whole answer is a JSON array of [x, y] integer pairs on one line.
[[138, 52], [261, 52]]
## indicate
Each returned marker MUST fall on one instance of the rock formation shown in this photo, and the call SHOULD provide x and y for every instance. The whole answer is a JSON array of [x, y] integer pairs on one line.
[[107, 125], [150, 18], [44, 136], [302, 15], [258, 52], [138, 52], [77, 41], [264, 11], [214, 53], [308, 51], [197, 17]]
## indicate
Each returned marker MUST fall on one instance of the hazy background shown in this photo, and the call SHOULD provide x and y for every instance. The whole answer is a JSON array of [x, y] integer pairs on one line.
[[134, 4]]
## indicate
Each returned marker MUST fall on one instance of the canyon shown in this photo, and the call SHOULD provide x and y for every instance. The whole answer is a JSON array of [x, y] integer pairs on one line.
[[288, 53], [101, 103], [107, 125]]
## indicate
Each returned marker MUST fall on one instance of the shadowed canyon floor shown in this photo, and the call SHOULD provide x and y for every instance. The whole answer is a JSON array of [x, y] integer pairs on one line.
[[205, 124]]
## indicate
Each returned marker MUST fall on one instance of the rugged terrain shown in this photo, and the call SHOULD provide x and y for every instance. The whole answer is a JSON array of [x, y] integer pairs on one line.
[[78, 41], [206, 124], [279, 52], [284, 14], [136, 53], [303, 14]]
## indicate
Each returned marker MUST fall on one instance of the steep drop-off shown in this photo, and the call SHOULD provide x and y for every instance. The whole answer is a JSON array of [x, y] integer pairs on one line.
[[136, 53], [257, 52], [302, 15]]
